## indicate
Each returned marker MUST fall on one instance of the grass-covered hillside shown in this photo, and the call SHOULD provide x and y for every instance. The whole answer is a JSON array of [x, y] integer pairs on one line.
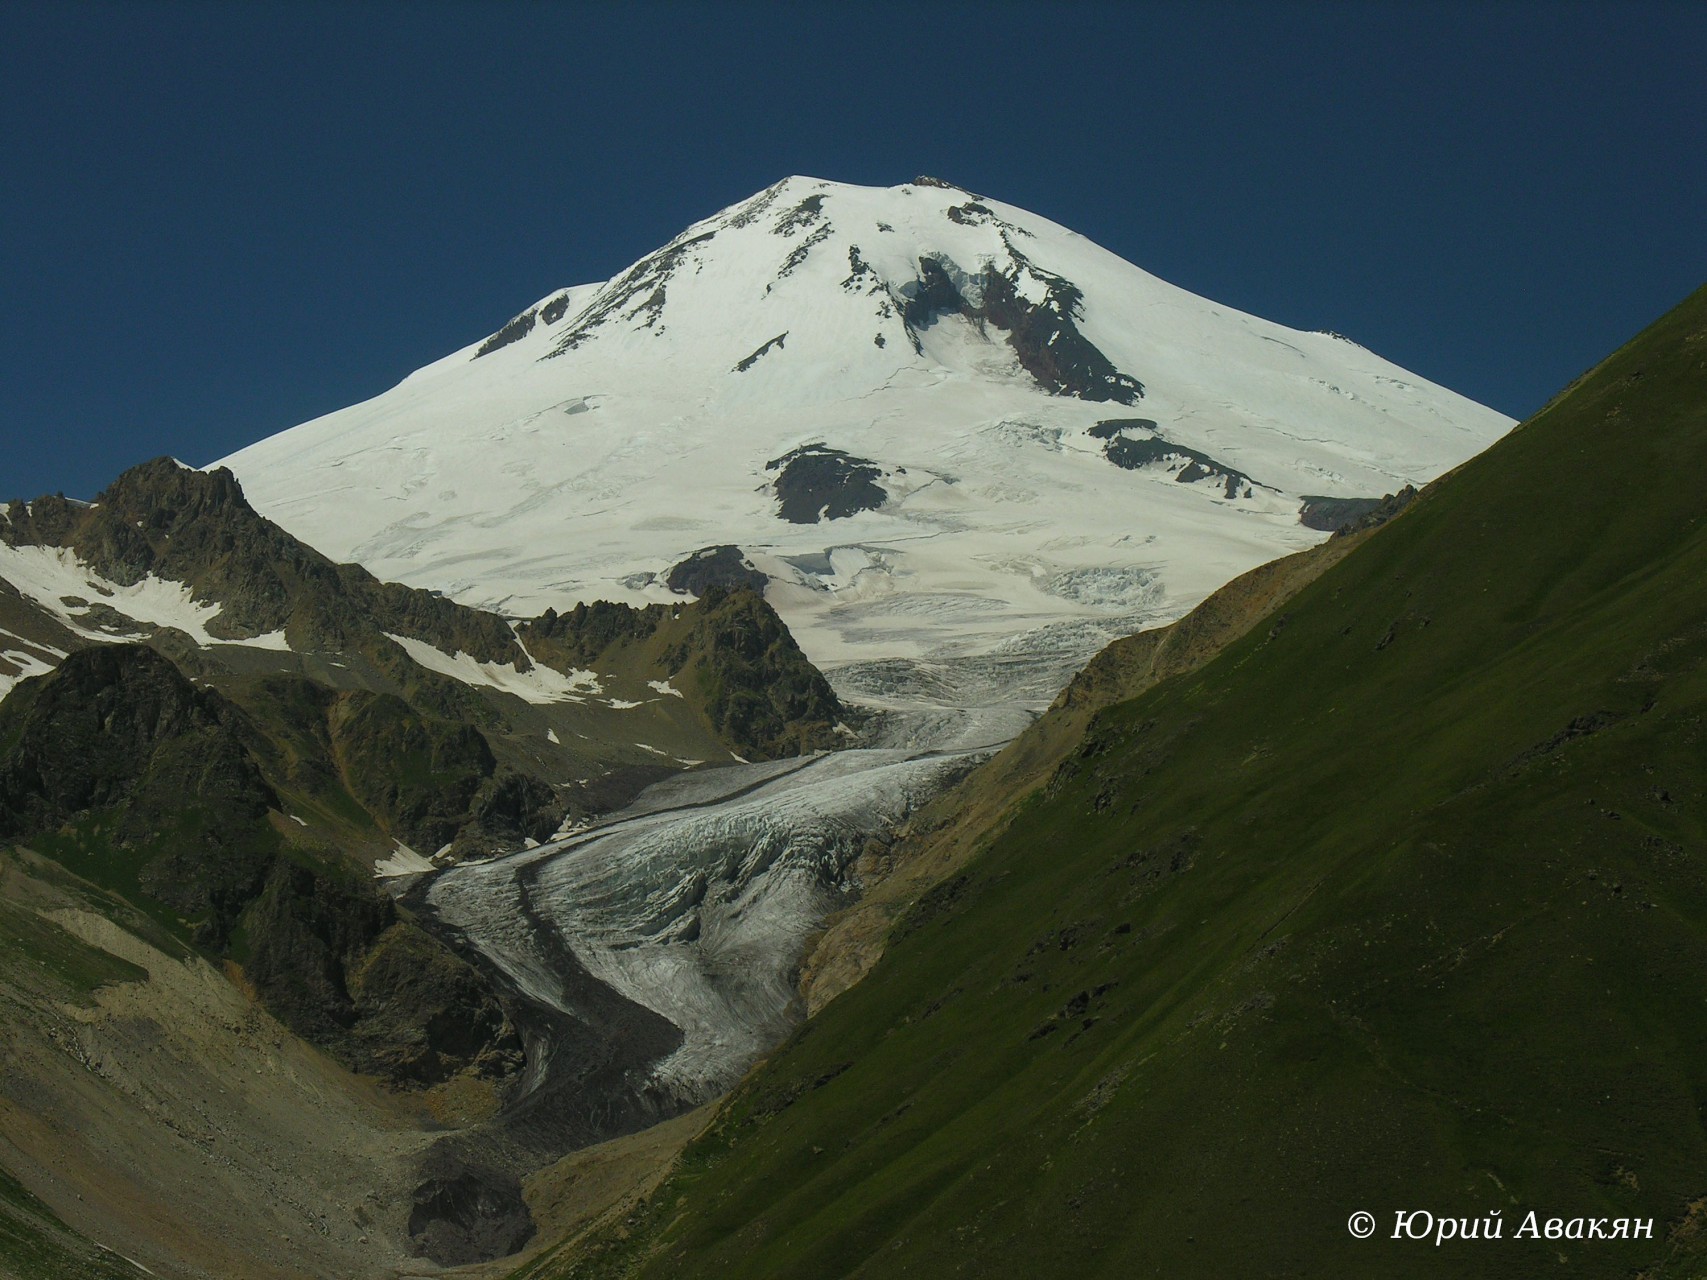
[[1399, 903]]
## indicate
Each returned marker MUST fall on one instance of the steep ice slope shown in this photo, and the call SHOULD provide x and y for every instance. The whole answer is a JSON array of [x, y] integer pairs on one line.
[[960, 352]]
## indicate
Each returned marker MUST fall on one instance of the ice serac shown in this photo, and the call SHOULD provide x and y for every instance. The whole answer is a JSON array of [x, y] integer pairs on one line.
[[889, 400]]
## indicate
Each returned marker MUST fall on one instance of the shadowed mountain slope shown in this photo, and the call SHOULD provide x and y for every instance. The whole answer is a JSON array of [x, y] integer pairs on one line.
[[178, 556], [230, 745], [1399, 903]]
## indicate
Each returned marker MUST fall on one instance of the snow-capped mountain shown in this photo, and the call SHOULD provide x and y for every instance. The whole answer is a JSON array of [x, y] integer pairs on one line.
[[942, 426], [959, 448]]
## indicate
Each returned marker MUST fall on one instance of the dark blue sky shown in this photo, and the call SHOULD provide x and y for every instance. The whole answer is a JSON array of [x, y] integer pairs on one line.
[[219, 220]]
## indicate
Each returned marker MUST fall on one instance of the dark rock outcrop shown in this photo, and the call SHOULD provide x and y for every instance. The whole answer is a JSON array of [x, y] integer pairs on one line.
[[514, 331], [1351, 515], [195, 527], [722, 566], [759, 690], [1188, 464], [85, 737], [730, 655], [467, 1213], [508, 808], [747, 362], [1379, 514], [335, 962], [140, 781], [1044, 335], [1328, 514], [549, 312], [816, 482], [416, 775], [807, 213], [157, 776], [578, 636]]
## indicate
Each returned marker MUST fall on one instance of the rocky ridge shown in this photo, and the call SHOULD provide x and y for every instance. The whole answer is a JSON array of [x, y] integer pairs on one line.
[[213, 723]]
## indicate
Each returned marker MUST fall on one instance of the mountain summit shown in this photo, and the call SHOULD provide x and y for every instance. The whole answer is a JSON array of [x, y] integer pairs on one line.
[[941, 427]]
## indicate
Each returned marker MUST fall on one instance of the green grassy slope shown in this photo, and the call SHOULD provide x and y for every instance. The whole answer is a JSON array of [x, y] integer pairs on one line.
[[39, 960], [1400, 903], [35, 1245]]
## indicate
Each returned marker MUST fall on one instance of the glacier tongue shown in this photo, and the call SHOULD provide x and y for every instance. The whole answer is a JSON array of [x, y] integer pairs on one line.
[[664, 942], [695, 903]]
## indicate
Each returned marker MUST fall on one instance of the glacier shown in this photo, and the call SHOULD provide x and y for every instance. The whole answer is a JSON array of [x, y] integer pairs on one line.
[[1039, 446], [612, 430]]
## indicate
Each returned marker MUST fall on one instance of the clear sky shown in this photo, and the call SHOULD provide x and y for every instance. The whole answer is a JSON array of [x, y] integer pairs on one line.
[[219, 220]]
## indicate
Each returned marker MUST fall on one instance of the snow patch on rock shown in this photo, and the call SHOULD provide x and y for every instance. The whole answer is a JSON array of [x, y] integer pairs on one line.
[[541, 684], [403, 861]]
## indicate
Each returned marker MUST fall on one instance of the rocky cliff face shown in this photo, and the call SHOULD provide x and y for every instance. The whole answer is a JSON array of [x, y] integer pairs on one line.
[[140, 781], [165, 520], [759, 689], [158, 773], [729, 651], [165, 526], [339, 964]]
